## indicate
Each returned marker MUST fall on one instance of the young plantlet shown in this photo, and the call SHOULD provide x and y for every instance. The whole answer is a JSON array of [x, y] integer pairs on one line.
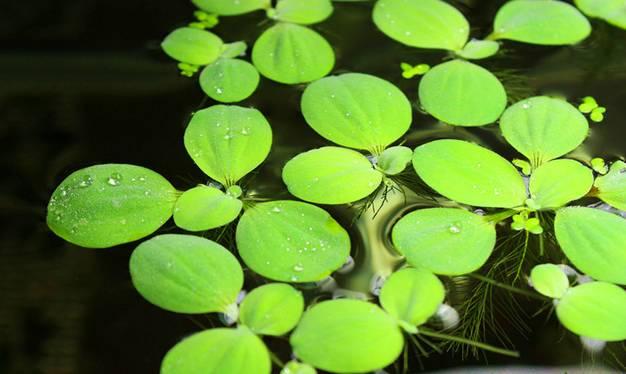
[[409, 71]]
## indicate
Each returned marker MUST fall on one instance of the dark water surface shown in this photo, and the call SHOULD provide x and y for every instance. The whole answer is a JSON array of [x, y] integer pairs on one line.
[[84, 82]]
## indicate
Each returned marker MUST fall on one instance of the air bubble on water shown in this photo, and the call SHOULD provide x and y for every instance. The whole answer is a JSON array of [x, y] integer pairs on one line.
[[376, 284], [114, 179], [448, 316], [298, 267], [86, 181], [347, 266], [592, 345], [455, 228]]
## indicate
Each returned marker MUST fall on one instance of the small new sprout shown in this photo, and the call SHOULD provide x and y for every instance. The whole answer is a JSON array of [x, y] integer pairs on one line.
[[523, 165], [599, 166], [597, 115], [409, 71], [187, 70], [590, 106], [205, 20], [522, 222]]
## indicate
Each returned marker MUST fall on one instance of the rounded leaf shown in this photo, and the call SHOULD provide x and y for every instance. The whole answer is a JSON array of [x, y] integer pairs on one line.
[[423, 24], [231, 7], [445, 241], [291, 54], [394, 160], [291, 241], [549, 280], [612, 11], [193, 46], [479, 49], [304, 12], [611, 188], [218, 351], [469, 174], [558, 182], [544, 22], [186, 274], [321, 176], [412, 295], [543, 128], [229, 80], [347, 336], [594, 241], [595, 310], [228, 142], [272, 309], [460, 93], [338, 109], [105, 205], [203, 208]]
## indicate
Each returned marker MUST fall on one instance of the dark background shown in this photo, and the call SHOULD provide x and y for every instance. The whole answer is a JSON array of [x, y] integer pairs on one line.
[[84, 82]]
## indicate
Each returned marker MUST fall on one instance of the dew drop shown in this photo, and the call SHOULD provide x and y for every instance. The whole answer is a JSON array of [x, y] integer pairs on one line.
[[526, 105], [244, 131], [298, 267], [294, 278], [114, 179], [277, 210], [455, 228], [86, 181], [218, 90]]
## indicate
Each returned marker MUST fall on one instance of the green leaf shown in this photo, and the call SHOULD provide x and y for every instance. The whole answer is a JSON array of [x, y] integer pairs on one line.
[[422, 24], [594, 241], [304, 12], [234, 50], [321, 176], [394, 160], [412, 295], [460, 93], [469, 174], [445, 241], [218, 351], [291, 241], [612, 11], [558, 182], [544, 22], [272, 309], [203, 208], [595, 310], [347, 336], [229, 80], [543, 128], [549, 280], [105, 205], [611, 188], [479, 49], [231, 7], [291, 54], [193, 46], [228, 142], [186, 274], [338, 109], [295, 367]]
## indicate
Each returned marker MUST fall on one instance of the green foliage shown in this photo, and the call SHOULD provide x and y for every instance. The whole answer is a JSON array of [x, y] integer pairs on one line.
[[543, 128], [469, 174], [544, 22], [227, 142], [444, 240], [394, 160], [549, 280], [231, 7], [409, 71], [291, 241], [337, 109], [423, 24], [611, 188], [234, 50], [192, 46], [218, 351], [203, 208], [479, 49], [593, 240], [229, 80], [558, 182], [612, 11], [291, 54], [304, 12], [105, 205], [186, 274], [272, 309], [461, 93], [347, 336]]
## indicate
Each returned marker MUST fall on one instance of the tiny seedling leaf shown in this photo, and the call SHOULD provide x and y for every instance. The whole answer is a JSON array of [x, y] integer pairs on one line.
[[273, 309], [203, 208], [229, 80], [549, 280], [394, 160], [192, 46], [479, 49]]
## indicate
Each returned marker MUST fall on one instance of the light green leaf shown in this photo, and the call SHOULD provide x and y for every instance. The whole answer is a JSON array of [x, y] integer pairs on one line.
[[594, 241], [543, 128], [423, 24], [611, 188], [272, 309], [357, 111], [549, 280], [295, 367], [203, 208], [461, 93], [228, 142], [186, 274], [595, 310], [193, 46], [304, 12], [394, 160], [479, 49], [347, 336], [234, 50], [321, 176], [469, 174], [291, 54], [229, 80], [218, 351], [291, 241], [612, 11], [412, 295], [105, 205], [445, 241], [231, 7], [544, 22], [558, 182]]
